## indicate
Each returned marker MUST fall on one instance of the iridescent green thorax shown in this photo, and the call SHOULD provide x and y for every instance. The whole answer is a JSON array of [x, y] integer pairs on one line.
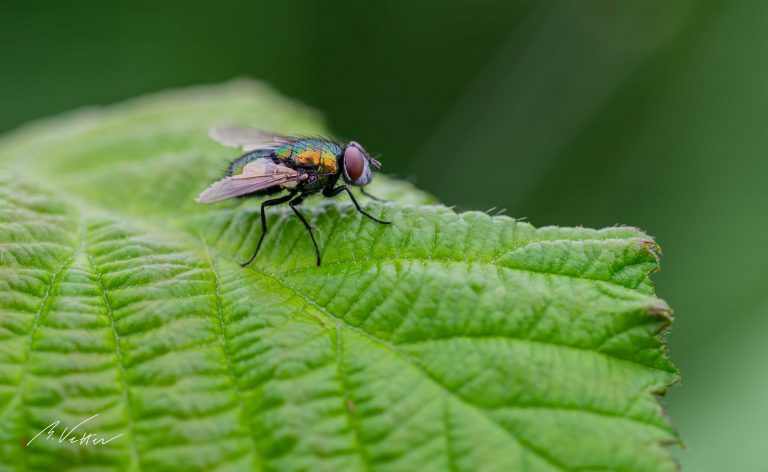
[[319, 154]]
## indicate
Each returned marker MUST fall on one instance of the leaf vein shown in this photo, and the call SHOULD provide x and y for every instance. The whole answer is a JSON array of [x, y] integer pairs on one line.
[[123, 374], [227, 355]]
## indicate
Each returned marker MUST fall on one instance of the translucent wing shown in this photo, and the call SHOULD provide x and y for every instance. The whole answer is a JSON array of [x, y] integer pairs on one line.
[[257, 175], [248, 139]]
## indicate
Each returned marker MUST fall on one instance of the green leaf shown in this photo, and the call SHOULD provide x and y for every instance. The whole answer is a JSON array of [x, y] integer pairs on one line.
[[446, 341]]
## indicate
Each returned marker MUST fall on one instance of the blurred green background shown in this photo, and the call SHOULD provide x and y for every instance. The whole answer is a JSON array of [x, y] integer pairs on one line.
[[581, 112]]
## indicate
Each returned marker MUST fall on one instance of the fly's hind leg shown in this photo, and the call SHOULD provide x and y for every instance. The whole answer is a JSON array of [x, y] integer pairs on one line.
[[264, 205], [293, 204]]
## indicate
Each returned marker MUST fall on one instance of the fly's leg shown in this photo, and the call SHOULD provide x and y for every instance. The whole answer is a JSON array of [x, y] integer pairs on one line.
[[264, 205], [372, 197], [293, 204], [332, 192]]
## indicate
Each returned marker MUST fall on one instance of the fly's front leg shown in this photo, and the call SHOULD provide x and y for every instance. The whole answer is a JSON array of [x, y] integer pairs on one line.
[[332, 192], [372, 197], [264, 205], [293, 204]]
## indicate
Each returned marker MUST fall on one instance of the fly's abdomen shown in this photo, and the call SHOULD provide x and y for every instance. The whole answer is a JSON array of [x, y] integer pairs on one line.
[[236, 168]]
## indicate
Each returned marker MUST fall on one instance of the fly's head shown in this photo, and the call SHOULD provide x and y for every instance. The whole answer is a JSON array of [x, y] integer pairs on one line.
[[357, 165]]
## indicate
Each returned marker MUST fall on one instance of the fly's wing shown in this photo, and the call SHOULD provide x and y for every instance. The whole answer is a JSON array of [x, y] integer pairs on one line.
[[249, 139], [257, 175]]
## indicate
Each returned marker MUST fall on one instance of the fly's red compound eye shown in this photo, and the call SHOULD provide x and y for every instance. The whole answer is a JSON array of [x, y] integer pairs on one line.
[[354, 163]]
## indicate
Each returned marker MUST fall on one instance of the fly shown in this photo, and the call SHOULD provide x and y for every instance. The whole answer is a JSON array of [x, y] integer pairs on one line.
[[301, 166]]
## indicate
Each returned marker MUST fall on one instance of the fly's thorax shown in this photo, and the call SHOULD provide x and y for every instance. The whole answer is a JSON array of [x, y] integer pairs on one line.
[[316, 182], [318, 154]]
